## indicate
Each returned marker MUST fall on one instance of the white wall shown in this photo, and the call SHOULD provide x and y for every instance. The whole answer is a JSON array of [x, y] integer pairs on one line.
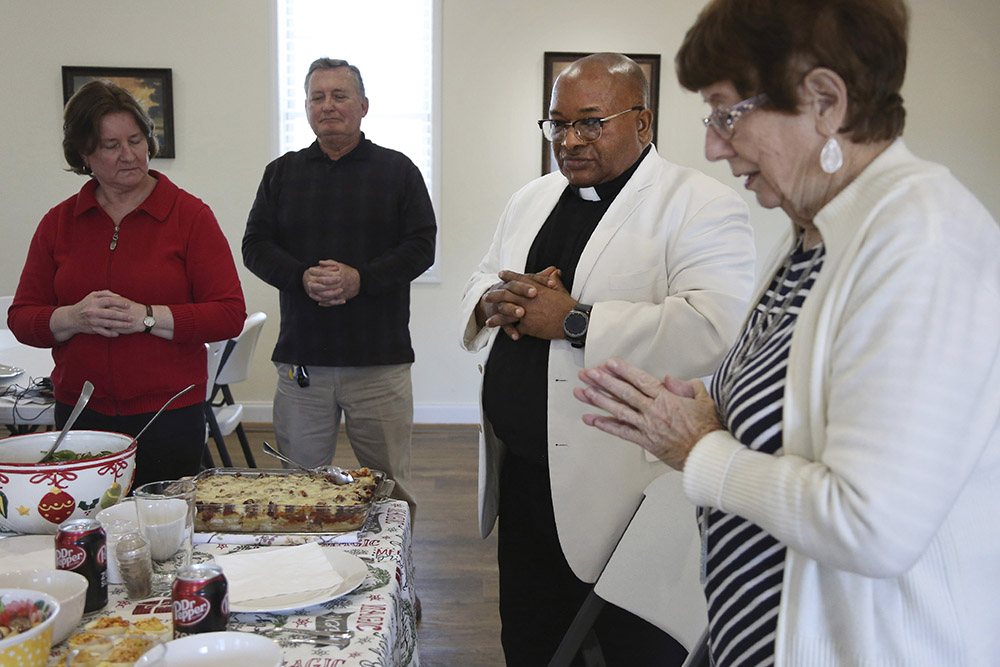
[[220, 53]]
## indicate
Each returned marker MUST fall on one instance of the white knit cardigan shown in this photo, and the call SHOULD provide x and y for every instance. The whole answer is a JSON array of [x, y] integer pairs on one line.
[[888, 492]]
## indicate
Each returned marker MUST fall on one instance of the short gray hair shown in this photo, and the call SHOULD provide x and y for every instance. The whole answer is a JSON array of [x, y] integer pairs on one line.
[[331, 63]]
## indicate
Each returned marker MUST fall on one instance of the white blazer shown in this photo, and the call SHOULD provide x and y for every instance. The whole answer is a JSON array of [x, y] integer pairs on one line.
[[669, 271]]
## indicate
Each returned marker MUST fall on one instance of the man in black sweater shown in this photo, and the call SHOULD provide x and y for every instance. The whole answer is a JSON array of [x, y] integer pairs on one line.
[[341, 228]]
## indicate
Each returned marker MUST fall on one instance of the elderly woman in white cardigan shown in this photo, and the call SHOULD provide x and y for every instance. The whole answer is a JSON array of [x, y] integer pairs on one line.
[[846, 462]]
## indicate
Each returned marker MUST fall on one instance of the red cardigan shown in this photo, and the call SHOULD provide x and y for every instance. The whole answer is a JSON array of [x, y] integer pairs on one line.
[[170, 252]]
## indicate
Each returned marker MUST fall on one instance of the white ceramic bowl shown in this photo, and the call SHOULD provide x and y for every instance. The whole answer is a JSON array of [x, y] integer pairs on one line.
[[123, 511], [30, 648], [37, 497], [68, 588], [219, 649]]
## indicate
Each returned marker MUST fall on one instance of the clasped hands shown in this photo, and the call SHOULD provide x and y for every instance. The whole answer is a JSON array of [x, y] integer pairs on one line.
[[527, 304], [331, 283], [666, 418], [103, 312]]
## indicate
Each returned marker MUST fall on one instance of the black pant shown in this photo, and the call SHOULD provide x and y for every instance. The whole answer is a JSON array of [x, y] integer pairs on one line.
[[171, 448], [540, 595]]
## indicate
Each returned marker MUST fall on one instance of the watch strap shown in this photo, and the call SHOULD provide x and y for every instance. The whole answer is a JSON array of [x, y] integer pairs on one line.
[[579, 311]]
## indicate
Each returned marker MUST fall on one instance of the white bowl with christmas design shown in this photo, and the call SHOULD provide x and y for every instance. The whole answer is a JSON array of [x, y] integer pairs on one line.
[[36, 497]]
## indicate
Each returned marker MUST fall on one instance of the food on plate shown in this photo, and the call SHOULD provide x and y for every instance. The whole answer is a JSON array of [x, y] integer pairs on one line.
[[116, 625], [82, 638], [152, 626], [108, 625], [114, 651], [113, 641], [282, 502], [128, 649]]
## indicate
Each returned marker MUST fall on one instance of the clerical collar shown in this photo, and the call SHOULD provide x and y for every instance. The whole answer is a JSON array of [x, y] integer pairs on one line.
[[608, 191]]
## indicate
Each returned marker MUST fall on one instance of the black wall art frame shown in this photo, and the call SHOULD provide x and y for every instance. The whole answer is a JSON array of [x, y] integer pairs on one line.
[[153, 87]]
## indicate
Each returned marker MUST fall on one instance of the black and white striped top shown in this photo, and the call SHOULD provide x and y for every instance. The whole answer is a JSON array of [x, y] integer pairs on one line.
[[743, 564]]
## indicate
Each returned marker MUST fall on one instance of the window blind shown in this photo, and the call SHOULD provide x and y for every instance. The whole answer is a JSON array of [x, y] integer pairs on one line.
[[390, 41]]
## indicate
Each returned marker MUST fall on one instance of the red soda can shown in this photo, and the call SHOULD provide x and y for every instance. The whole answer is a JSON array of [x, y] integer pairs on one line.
[[82, 546], [200, 595]]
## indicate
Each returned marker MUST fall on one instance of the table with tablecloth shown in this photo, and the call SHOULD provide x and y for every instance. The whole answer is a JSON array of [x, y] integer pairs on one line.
[[375, 624]]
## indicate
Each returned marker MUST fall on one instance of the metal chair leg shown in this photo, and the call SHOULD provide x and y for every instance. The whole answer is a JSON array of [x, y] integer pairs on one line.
[[220, 442], [245, 445], [574, 638], [207, 463], [698, 657]]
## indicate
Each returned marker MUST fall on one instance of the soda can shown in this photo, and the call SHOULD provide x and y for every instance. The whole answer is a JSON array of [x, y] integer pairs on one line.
[[200, 596], [82, 546]]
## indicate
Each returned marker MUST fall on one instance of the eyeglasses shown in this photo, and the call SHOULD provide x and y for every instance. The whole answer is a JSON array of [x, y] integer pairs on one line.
[[588, 130], [723, 120]]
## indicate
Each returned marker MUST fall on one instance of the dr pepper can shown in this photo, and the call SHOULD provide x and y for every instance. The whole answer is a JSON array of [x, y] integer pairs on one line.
[[200, 595], [82, 546]]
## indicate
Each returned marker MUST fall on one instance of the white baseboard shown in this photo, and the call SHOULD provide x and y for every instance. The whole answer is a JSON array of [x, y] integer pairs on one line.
[[259, 412], [446, 413]]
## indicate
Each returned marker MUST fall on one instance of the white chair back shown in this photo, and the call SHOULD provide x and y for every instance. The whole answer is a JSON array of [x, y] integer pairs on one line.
[[214, 351], [237, 366]]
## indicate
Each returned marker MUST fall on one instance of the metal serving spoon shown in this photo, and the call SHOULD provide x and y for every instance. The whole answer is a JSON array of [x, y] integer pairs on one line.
[[160, 411], [81, 403], [338, 475]]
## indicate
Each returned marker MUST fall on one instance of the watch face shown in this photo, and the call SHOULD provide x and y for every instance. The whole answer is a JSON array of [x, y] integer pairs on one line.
[[575, 324], [148, 321]]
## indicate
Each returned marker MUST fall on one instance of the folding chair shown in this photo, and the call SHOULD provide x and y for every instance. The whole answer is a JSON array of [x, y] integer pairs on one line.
[[225, 415], [214, 352], [659, 534]]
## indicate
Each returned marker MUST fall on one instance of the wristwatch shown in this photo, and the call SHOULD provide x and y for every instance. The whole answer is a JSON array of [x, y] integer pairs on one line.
[[576, 323], [149, 321]]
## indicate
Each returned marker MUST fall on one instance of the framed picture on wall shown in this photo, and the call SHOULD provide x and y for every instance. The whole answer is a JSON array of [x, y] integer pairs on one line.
[[152, 87], [557, 61]]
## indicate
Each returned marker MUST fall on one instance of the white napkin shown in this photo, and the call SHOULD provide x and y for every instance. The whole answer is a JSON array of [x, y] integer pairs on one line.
[[267, 572]]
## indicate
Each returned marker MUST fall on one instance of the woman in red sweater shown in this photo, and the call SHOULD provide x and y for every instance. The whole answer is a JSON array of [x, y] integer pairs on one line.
[[126, 281]]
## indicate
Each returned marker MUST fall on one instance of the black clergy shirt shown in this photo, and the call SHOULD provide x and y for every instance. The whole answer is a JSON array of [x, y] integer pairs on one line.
[[515, 384]]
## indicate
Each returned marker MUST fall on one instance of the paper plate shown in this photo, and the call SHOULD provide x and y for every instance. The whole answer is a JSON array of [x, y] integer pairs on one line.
[[351, 568], [27, 552]]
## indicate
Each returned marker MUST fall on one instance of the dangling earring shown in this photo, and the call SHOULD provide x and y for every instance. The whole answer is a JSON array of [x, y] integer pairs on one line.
[[831, 158]]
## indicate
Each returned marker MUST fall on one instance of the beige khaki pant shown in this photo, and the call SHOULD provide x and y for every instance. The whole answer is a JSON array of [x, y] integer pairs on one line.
[[377, 405]]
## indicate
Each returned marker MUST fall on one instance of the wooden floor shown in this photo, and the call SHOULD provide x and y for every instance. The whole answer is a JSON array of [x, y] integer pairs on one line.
[[456, 570]]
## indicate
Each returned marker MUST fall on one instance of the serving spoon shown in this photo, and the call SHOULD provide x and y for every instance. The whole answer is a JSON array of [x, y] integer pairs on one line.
[[160, 411], [81, 403], [338, 475]]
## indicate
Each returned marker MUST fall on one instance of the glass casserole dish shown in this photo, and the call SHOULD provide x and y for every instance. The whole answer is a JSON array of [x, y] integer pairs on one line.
[[264, 500]]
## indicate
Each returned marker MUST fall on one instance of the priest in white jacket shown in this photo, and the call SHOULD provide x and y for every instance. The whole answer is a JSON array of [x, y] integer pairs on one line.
[[621, 254]]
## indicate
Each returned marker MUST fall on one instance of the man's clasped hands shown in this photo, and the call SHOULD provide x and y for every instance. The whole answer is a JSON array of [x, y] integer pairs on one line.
[[527, 304]]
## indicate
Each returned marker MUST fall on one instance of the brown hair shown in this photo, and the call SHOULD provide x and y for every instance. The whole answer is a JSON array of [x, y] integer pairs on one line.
[[82, 121], [766, 46]]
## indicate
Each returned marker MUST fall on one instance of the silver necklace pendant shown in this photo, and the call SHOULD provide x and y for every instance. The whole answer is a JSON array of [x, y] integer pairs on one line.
[[114, 239]]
